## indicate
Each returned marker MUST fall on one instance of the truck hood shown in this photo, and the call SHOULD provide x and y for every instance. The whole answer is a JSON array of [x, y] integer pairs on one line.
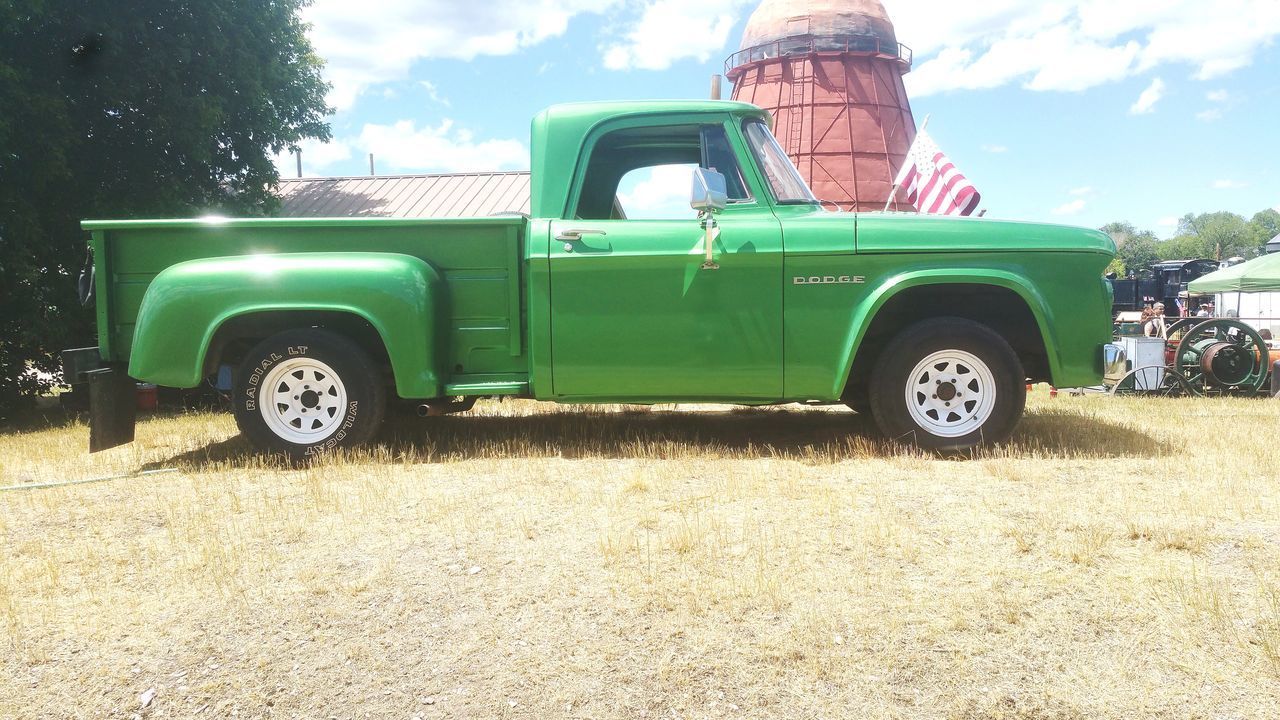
[[903, 232]]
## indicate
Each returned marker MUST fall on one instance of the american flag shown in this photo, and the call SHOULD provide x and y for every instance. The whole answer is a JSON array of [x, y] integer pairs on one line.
[[932, 182]]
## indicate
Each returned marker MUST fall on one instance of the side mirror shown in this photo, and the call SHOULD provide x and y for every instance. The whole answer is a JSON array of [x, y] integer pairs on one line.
[[710, 192]]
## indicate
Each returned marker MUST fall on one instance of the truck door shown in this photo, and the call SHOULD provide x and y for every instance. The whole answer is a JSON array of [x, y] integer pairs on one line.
[[634, 316]]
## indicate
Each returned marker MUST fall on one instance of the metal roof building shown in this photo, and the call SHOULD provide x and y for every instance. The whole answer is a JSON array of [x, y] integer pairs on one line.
[[406, 196]]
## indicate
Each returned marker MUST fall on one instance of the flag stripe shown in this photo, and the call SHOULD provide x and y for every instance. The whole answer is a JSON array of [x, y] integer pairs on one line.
[[933, 184], [927, 194], [947, 194], [943, 179], [913, 178]]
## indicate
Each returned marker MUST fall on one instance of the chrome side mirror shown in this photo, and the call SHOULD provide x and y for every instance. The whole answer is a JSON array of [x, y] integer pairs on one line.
[[710, 195], [710, 192]]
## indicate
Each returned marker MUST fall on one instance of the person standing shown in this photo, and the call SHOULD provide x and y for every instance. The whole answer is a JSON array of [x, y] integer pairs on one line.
[[1155, 327], [1147, 314]]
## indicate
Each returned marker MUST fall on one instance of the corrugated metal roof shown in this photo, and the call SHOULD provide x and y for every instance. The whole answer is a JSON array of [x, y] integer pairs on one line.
[[406, 196]]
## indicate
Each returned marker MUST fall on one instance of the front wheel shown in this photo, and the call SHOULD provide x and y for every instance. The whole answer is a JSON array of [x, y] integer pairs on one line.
[[948, 384], [304, 392]]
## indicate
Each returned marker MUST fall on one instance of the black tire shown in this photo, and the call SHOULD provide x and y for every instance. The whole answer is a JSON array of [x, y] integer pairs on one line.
[[948, 420], [858, 399], [341, 411]]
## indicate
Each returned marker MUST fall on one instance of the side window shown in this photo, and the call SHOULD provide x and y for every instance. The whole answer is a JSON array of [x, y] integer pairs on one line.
[[717, 154], [645, 173], [658, 192]]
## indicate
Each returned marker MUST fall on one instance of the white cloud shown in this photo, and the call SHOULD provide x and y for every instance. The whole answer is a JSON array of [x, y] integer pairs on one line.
[[376, 41], [1216, 37], [316, 156], [1229, 184], [671, 30], [1146, 102], [1073, 45], [1081, 191], [1072, 208], [1063, 45], [1221, 97], [433, 92], [995, 149], [405, 148], [1051, 59], [402, 147], [657, 193], [1169, 223]]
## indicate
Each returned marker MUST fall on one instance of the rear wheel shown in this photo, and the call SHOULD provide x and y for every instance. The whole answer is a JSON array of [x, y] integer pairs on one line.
[[948, 384], [304, 392]]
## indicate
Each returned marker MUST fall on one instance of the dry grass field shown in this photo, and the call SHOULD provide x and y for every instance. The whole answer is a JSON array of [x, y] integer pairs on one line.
[[1119, 559]]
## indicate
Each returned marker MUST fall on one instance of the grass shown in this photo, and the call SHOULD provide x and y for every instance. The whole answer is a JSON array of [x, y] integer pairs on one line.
[[1118, 558]]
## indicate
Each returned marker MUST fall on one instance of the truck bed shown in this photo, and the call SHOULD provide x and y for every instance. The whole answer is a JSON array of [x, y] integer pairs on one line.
[[480, 259]]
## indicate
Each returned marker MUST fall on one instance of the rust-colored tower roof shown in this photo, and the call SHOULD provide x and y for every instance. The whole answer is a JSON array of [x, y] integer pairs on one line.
[[830, 72], [782, 19]]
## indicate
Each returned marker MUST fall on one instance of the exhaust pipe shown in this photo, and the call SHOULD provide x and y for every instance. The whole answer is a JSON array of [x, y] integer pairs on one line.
[[441, 407]]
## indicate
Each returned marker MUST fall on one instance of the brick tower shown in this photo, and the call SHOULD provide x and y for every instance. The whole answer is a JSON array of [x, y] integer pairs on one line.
[[830, 72]]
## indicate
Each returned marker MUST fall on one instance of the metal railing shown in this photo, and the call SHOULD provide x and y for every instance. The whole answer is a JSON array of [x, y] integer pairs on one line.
[[810, 44]]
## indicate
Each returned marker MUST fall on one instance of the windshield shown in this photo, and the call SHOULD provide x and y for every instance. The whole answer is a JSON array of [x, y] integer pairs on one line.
[[784, 179]]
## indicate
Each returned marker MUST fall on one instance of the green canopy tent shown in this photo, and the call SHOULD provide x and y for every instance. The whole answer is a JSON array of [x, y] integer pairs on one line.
[[1258, 275]]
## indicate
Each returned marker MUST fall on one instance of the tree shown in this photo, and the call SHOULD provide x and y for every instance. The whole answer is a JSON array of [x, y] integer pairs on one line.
[[1219, 235], [1183, 247], [1266, 225], [1229, 235], [145, 108], [1136, 249]]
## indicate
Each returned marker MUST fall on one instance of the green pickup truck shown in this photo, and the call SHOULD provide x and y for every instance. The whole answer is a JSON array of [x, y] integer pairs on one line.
[[931, 324]]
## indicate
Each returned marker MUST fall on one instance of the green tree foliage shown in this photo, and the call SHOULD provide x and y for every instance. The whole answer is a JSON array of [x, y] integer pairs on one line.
[[1135, 249], [1267, 225], [1216, 235], [1185, 247], [129, 109], [1221, 235]]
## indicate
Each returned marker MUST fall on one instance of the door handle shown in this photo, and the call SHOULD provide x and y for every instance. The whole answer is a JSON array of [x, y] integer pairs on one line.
[[573, 235]]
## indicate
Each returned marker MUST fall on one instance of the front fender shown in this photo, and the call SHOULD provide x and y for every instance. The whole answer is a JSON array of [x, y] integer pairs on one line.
[[872, 303], [399, 295]]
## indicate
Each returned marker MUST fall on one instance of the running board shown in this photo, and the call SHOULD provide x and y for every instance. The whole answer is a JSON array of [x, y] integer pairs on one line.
[[486, 388]]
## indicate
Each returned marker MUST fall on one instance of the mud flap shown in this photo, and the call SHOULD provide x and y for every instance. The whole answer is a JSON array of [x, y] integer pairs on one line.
[[113, 409]]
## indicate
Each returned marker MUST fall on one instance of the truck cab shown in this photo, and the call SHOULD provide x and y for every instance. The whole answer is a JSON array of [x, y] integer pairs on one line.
[[760, 296]]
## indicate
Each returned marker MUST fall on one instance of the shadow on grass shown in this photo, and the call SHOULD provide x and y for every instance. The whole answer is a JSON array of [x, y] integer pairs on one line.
[[44, 414], [576, 432], [1058, 432]]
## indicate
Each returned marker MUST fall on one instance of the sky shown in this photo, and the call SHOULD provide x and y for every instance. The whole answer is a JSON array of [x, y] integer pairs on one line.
[[1081, 112]]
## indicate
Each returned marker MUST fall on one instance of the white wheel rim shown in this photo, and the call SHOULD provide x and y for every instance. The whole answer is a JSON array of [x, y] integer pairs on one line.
[[950, 393], [303, 401]]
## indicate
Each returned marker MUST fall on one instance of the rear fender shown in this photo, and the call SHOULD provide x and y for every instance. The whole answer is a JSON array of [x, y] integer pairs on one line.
[[400, 296]]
